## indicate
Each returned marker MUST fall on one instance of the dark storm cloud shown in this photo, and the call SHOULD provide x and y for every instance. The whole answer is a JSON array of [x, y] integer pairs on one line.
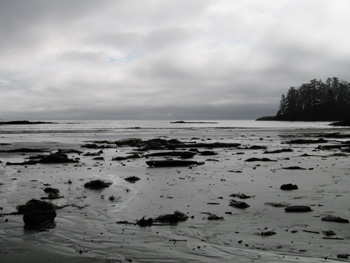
[[164, 59]]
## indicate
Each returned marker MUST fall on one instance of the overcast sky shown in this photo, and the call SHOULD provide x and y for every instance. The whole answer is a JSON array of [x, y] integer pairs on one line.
[[165, 59]]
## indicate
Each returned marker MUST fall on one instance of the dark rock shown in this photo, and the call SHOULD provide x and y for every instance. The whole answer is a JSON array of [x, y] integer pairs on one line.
[[337, 219], [132, 179], [289, 187], [172, 163], [50, 190], [306, 141], [97, 184], [298, 208], [55, 158], [24, 150], [98, 159], [145, 222], [37, 212], [172, 218], [274, 204], [239, 204], [293, 168], [259, 160], [343, 256], [267, 233]]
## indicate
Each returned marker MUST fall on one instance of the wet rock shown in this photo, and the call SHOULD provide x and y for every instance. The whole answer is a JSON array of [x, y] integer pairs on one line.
[[254, 159], [289, 187], [172, 218], [145, 222], [97, 184], [293, 168], [37, 212], [54, 158], [267, 233], [132, 179], [98, 159], [52, 192], [343, 256], [298, 208], [337, 219], [306, 141], [239, 204], [172, 163]]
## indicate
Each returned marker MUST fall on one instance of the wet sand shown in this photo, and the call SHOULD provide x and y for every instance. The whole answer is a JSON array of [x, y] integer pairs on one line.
[[86, 228]]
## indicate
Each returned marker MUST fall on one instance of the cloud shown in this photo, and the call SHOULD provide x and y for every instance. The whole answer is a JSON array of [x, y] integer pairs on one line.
[[164, 59]]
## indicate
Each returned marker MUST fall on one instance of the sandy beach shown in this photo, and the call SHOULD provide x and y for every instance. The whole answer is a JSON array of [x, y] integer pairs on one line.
[[239, 165]]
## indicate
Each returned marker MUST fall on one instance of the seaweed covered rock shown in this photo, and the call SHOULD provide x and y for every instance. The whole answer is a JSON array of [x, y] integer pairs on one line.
[[97, 184], [37, 212], [172, 218]]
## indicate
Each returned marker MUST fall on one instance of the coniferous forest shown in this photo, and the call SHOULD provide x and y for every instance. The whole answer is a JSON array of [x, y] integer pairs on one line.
[[316, 101]]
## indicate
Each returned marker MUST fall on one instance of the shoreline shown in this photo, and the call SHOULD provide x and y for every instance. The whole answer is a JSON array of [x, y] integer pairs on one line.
[[86, 229]]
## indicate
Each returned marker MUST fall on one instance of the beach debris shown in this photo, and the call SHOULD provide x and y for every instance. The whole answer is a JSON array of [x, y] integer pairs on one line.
[[337, 219], [293, 168], [37, 212], [254, 159], [239, 204], [132, 179], [289, 187], [298, 208], [242, 196], [172, 163], [97, 184]]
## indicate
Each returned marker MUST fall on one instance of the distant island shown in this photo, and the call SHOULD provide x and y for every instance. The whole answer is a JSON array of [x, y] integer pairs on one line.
[[315, 101], [24, 122], [198, 122]]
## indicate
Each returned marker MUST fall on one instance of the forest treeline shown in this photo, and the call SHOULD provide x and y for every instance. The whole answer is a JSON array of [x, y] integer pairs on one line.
[[316, 101]]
